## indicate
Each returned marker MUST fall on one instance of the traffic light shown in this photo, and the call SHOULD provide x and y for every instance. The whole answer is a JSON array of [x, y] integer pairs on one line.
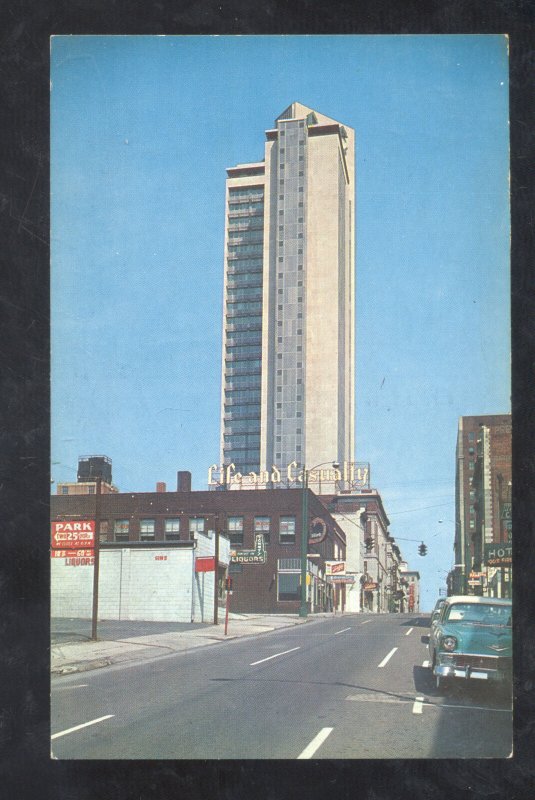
[[422, 549], [368, 543]]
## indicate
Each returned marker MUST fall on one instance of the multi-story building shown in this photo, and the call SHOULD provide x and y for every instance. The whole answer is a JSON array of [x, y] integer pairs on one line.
[[90, 469], [264, 528], [483, 505], [362, 517], [410, 580], [288, 330]]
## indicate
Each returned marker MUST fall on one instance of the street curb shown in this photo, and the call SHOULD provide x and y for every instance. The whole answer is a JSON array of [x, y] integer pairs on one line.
[[151, 654]]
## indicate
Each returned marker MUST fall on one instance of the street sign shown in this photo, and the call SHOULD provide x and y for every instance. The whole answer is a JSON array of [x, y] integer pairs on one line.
[[205, 564], [342, 578]]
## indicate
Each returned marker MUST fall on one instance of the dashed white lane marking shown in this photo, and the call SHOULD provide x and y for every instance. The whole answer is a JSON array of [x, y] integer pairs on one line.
[[316, 742], [409, 631], [79, 727], [342, 631], [275, 656], [418, 705], [387, 658], [425, 663], [365, 622]]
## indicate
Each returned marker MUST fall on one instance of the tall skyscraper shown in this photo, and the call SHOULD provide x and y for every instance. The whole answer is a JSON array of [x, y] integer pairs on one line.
[[288, 327]]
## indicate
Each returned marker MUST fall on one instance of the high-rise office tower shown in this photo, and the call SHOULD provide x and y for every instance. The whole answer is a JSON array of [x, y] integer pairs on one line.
[[288, 326]]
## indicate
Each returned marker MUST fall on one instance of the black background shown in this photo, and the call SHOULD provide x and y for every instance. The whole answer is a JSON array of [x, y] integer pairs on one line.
[[25, 767]]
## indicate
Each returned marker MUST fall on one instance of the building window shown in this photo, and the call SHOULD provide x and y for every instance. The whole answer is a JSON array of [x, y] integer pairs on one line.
[[120, 530], [172, 530], [287, 530], [471, 437], [64, 490], [146, 530], [472, 524], [103, 530], [288, 586], [91, 489], [235, 530], [196, 525], [262, 525], [471, 466]]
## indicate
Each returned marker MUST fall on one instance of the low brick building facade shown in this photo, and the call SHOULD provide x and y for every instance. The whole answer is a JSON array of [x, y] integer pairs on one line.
[[267, 584]]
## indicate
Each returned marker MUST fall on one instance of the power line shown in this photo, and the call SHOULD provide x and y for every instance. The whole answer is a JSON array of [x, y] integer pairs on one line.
[[421, 508]]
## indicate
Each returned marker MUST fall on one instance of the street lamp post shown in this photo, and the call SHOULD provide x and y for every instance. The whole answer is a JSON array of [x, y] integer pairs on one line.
[[303, 610]]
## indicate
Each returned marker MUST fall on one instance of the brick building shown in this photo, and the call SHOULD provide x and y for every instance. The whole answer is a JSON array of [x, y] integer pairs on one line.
[[483, 505], [269, 583]]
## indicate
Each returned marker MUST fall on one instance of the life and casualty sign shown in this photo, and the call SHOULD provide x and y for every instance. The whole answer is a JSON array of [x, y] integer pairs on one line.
[[73, 535]]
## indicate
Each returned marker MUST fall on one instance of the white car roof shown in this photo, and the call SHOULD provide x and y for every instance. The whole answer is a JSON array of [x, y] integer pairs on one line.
[[472, 598]]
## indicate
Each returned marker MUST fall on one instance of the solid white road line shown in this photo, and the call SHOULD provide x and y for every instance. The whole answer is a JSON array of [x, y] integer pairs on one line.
[[74, 686], [471, 708], [275, 656], [418, 705], [342, 631], [316, 742], [409, 631], [365, 622], [425, 664], [387, 658], [78, 727]]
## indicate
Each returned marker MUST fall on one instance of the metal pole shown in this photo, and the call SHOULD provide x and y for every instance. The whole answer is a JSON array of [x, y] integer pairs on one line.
[[303, 611], [216, 571], [96, 565], [227, 604]]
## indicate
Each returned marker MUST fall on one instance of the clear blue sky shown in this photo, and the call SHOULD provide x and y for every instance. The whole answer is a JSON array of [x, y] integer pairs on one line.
[[142, 131]]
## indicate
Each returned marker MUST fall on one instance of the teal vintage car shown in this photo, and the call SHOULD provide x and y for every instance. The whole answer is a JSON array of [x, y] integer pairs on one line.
[[471, 640]]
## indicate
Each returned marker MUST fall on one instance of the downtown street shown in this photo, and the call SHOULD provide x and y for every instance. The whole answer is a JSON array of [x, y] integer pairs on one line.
[[338, 687]]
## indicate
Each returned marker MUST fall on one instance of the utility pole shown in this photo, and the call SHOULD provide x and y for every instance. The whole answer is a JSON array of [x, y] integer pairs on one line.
[[216, 570], [96, 554], [303, 611]]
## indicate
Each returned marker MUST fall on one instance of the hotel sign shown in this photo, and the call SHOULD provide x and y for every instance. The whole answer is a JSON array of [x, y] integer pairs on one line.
[[357, 475], [498, 555]]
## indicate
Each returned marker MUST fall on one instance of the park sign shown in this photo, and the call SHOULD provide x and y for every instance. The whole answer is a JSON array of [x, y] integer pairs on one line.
[[498, 554], [70, 535], [256, 556]]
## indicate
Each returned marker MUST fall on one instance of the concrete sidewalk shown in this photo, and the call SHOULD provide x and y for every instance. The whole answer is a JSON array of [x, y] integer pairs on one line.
[[73, 657]]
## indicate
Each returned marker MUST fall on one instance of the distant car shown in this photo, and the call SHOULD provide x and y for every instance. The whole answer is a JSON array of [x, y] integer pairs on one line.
[[472, 640]]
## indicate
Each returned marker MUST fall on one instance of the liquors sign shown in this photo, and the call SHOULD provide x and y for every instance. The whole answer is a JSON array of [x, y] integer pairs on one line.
[[256, 556], [356, 475]]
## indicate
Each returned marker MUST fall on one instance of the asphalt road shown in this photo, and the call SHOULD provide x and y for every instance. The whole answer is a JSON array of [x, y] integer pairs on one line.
[[347, 687]]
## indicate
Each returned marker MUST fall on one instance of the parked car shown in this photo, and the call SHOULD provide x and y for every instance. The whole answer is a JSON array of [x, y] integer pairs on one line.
[[471, 640], [436, 611]]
